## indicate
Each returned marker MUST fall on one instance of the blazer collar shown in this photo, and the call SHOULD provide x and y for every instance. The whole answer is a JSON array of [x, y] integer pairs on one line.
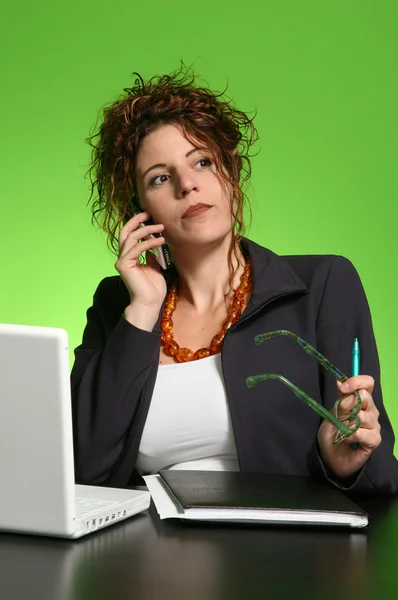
[[272, 276]]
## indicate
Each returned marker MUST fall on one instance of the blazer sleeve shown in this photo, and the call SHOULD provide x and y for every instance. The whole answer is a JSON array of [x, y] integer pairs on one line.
[[111, 368], [343, 315]]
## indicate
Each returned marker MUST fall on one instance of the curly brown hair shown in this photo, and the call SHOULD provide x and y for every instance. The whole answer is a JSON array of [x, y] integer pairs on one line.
[[202, 115]]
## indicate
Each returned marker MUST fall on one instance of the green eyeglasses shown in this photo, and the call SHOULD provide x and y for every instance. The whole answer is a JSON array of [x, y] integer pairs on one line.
[[345, 425]]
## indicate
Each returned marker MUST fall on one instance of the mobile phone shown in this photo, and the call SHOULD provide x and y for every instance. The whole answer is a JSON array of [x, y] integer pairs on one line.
[[161, 253]]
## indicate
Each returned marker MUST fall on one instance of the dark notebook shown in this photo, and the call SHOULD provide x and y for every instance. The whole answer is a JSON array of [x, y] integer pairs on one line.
[[253, 497]]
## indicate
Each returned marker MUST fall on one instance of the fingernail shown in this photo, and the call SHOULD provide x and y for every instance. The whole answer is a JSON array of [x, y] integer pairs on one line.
[[345, 387]]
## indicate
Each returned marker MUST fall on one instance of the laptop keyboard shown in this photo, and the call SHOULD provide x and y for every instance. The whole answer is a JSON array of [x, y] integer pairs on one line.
[[87, 506]]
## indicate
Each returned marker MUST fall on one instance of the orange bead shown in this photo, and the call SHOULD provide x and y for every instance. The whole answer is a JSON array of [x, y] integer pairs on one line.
[[245, 286], [234, 314], [171, 304], [167, 336], [172, 348], [235, 305], [184, 355], [166, 325], [167, 313], [227, 325], [202, 353], [216, 342]]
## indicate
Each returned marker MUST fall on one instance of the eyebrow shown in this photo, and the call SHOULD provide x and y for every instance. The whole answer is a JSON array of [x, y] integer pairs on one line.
[[161, 165]]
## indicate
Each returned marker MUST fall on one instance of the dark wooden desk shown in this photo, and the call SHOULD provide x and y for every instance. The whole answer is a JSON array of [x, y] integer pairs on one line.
[[145, 558]]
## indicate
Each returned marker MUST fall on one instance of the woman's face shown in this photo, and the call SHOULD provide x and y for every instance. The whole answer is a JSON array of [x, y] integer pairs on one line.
[[178, 185]]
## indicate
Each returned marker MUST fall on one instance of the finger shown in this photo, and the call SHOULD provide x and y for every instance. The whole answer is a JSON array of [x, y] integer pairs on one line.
[[368, 420], [139, 234], [135, 251], [141, 246], [347, 403], [365, 382], [142, 231], [131, 225], [368, 403], [148, 229], [368, 439]]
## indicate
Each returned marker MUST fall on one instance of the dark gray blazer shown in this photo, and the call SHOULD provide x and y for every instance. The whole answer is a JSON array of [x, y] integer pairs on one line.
[[320, 298]]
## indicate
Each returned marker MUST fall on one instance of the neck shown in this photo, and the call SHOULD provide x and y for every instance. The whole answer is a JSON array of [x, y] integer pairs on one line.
[[204, 275]]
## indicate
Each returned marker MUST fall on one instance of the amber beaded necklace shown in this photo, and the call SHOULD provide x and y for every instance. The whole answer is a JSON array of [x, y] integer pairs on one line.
[[235, 310]]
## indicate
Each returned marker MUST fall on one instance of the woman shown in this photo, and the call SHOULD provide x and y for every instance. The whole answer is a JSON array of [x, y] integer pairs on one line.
[[159, 379]]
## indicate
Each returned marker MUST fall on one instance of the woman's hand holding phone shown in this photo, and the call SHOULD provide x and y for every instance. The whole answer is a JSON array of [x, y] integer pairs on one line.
[[145, 283]]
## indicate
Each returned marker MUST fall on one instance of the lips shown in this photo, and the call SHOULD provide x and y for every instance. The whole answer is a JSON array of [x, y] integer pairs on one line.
[[195, 209]]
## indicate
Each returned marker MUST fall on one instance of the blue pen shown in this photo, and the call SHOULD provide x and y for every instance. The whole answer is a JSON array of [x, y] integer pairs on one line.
[[356, 358], [355, 367]]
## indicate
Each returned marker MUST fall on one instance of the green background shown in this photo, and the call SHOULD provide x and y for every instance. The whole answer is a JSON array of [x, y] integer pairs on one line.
[[322, 76]]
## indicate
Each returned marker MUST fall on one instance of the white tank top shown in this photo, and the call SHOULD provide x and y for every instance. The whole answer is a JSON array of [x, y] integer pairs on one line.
[[188, 424]]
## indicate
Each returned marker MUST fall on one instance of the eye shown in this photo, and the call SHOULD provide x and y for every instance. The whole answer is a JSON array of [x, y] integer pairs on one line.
[[204, 163], [158, 180]]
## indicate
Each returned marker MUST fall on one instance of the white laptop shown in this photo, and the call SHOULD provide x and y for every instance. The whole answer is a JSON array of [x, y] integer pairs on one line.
[[38, 494]]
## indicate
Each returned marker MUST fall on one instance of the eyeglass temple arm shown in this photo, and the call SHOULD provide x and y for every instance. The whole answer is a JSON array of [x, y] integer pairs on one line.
[[262, 337], [325, 414]]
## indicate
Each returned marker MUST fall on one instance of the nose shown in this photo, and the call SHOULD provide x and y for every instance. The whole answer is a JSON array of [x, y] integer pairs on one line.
[[186, 182]]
